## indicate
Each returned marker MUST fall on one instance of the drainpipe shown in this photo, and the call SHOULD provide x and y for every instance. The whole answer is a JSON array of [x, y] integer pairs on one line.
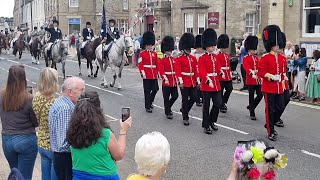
[[225, 16], [258, 6]]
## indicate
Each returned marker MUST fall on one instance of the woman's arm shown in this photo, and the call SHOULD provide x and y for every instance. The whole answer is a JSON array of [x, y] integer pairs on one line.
[[302, 61]]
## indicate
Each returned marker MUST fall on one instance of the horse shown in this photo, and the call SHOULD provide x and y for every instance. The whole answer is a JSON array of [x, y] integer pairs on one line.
[[59, 52], [90, 55], [115, 58], [19, 46], [35, 50]]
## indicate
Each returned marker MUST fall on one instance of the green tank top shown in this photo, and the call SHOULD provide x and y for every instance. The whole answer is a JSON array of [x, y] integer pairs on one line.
[[95, 159]]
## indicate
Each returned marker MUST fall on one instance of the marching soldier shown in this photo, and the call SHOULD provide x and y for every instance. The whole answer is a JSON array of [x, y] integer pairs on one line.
[[271, 70], [167, 73], [198, 53], [250, 65], [148, 66], [224, 59], [55, 34], [186, 72], [210, 72], [87, 34]]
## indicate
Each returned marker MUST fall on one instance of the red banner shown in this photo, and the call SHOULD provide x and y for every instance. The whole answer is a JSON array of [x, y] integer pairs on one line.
[[213, 20]]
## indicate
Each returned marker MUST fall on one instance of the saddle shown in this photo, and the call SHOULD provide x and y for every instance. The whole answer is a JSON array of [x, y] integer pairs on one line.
[[83, 52], [107, 51], [50, 49]]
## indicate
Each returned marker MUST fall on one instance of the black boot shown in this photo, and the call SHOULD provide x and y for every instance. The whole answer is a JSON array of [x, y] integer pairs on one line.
[[253, 116]]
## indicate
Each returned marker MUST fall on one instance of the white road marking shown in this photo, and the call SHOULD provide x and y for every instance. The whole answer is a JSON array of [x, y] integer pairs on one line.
[[311, 154], [104, 90], [200, 119]]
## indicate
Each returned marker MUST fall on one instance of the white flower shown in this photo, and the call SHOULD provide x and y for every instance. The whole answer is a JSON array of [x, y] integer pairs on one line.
[[247, 156], [270, 154]]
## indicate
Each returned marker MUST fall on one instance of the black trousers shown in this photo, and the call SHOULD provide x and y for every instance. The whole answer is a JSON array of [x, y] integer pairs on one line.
[[199, 97], [225, 85], [170, 95], [62, 164], [188, 99], [274, 106], [210, 117], [286, 96], [150, 87], [254, 102], [289, 74], [243, 75]]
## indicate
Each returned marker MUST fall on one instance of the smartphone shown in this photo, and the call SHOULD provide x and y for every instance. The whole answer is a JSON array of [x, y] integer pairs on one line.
[[30, 89], [125, 113]]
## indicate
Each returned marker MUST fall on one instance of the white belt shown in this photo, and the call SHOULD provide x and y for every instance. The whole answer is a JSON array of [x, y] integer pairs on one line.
[[225, 68], [212, 74], [187, 74], [149, 66], [169, 73]]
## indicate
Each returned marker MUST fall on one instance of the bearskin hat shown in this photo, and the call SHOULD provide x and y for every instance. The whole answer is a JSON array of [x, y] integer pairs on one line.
[[251, 43], [271, 37], [186, 41], [198, 44], [148, 38], [112, 20], [167, 44], [223, 41], [55, 21], [88, 23], [282, 45], [209, 38]]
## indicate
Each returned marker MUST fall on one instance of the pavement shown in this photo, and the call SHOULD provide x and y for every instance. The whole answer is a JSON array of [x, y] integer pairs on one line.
[[194, 155]]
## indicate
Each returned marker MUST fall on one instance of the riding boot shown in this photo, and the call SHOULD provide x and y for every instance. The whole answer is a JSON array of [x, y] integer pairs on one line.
[[81, 53]]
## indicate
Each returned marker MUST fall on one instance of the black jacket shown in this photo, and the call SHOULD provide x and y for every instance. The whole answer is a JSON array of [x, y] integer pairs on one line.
[[86, 33], [54, 34], [115, 34]]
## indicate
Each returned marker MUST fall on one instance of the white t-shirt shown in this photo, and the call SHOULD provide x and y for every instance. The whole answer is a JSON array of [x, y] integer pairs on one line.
[[288, 52]]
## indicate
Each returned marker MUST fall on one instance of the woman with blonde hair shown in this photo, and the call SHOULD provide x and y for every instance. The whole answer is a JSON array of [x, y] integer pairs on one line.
[[48, 85]]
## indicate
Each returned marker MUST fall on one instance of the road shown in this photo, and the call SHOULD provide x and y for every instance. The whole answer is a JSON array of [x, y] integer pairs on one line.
[[195, 155]]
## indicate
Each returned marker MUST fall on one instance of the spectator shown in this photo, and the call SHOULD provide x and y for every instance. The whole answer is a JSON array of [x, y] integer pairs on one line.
[[300, 80], [19, 139], [152, 155], [288, 52], [72, 40], [94, 147], [313, 85], [136, 46], [243, 53], [48, 85], [59, 118], [294, 73]]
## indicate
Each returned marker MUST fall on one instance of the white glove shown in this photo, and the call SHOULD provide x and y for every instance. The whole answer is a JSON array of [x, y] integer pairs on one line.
[[180, 80], [198, 81], [166, 81], [276, 78], [211, 84], [88, 37], [254, 76], [223, 76]]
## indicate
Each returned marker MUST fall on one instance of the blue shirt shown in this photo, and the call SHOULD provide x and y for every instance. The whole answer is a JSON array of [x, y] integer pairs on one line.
[[301, 63], [59, 118], [243, 53]]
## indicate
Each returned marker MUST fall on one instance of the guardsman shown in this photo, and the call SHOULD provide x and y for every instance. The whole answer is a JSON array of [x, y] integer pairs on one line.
[[55, 34], [210, 73], [186, 72], [250, 65], [198, 52], [271, 70], [148, 66], [167, 73], [224, 59], [87, 34], [285, 81]]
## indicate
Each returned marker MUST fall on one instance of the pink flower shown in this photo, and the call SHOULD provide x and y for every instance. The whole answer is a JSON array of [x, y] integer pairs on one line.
[[238, 154], [253, 173]]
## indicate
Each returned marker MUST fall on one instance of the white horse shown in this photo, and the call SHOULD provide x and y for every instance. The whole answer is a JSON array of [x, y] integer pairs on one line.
[[115, 58]]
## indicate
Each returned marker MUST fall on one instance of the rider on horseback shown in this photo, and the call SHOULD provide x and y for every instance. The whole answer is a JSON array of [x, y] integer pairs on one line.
[[55, 34], [87, 34], [34, 35], [17, 34], [112, 35]]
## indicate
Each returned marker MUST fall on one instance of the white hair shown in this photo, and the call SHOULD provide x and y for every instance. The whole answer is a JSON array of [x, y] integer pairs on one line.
[[71, 83], [152, 153]]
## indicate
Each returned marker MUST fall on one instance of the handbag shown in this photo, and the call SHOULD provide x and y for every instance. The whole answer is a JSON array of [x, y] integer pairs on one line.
[[295, 72]]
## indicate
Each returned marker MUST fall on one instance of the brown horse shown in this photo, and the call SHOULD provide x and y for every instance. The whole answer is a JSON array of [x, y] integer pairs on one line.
[[3, 43], [19, 46], [90, 55]]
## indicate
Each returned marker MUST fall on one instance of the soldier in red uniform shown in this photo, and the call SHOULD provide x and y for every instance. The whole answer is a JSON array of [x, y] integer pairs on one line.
[[250, 65], [167, 73], [148, 66], [210, 73], [271, 70], [224, 59], [186, 72]]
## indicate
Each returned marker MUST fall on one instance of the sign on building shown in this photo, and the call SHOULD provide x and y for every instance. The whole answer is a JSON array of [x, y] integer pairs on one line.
[[74, 25], [213, 20]]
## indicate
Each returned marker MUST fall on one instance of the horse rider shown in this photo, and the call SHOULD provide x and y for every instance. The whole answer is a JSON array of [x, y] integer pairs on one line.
[[34, 35], [112, 35], [55, 34], [87, 34], [41, 33], [16, 35], [6, 31]]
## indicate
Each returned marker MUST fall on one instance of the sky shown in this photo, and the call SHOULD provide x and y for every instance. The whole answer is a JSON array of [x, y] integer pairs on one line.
[[6, 8]]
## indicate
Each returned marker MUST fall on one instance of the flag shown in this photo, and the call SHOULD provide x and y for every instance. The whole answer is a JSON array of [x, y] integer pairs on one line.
[[104, 23]]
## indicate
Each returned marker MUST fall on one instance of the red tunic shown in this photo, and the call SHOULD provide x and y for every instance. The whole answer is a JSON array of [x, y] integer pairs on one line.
[[210, 69], [250, 65], [286, 80], [268, 67], [186, 70], [148, 64], [167, 71], [224, 59]]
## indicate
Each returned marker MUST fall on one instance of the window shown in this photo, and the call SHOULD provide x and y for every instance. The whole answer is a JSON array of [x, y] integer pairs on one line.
[[188, 22], [126, 5], [311, 18], [73, 3], [123, 25], [250, 23], [201, 22]]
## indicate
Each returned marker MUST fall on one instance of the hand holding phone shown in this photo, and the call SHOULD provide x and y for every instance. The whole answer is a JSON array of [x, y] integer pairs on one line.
[[126, 120], [125, 113]]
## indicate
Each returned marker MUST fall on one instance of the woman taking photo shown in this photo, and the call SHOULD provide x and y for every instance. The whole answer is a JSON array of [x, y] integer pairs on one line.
[[300, 79], [48, 85], [94, 147], [294, 73], [19, 140], [313, 85]]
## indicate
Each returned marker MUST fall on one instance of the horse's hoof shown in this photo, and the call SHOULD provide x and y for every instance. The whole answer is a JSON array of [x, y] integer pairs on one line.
[[80, 74], [92, 77], [111, 85], [105, 86], [119, 89], [95, 75], [89, 75]]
